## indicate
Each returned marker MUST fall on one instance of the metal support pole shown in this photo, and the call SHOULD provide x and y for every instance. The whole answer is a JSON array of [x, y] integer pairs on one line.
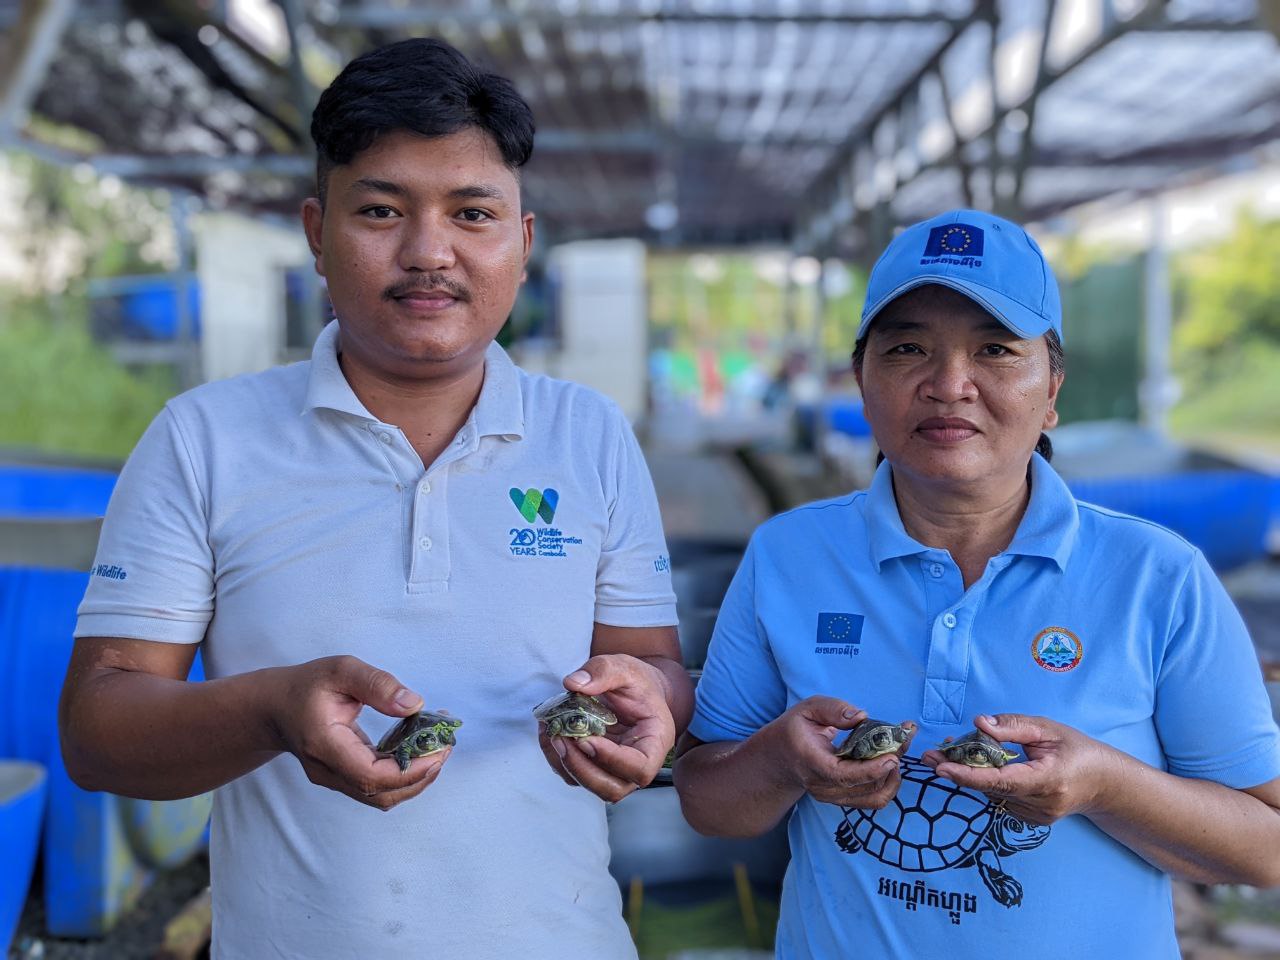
[[303, 98], [817, 355], [188, 359], [1159, 389]]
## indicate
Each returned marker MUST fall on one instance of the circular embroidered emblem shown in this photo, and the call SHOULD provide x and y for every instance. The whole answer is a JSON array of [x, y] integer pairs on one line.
[[1057, 649]]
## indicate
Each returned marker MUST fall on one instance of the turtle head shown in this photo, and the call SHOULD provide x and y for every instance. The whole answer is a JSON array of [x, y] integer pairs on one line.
[[576, 724], [884, 738], [980, 755], [427, 741]]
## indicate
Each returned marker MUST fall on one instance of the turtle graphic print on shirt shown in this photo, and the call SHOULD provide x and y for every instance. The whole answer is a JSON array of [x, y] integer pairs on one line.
[[934, 824]]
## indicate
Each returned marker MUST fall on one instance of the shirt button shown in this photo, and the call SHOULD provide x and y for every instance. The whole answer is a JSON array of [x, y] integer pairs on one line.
[[461, 440], [425, 543], [949, 620], [425, 487], [935, 570], [384, 437]]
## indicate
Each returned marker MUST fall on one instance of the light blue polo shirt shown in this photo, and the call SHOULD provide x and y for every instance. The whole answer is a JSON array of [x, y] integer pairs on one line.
[[1104, 622]]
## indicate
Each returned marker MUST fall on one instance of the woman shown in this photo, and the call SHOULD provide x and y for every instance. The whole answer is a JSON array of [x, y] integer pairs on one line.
[[968, 588]]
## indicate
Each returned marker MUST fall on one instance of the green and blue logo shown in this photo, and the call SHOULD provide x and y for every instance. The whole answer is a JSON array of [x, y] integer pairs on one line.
[[535, 503]]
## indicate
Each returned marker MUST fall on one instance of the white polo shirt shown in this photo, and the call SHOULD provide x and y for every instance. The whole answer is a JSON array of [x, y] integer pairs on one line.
[[275, 519]]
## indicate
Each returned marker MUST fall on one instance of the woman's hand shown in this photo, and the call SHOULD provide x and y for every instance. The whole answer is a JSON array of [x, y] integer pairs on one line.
[[1065, 771], [801, 745]]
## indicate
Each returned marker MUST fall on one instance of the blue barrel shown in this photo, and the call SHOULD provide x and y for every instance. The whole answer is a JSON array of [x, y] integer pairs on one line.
[[45, 491], [151, 305], [844, 415], [99, 850], [1226, 513], [22, 793]]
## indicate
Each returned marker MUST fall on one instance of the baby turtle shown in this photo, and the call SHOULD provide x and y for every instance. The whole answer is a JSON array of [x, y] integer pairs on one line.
[[574, 715], [875, 738], [976, 749], [417, 736]]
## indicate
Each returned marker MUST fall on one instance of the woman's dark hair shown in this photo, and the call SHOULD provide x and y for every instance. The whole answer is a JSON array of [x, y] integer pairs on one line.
[[424, 86], [1057, 366]]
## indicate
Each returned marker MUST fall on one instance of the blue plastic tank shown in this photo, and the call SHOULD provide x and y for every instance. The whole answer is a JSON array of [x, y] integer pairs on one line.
[[1226, 513], [22, 796], [99, 850]]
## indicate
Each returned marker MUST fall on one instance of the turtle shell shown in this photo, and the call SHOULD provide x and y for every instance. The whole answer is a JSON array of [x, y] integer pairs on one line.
[[956, 749], [574, 715], [938, 830], [565, 704], [876, 738], [443, 723]]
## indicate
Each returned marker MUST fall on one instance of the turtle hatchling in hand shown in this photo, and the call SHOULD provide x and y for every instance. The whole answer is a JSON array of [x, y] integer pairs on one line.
[[875, 738], [417, 736], [574, 715], [976, 749]]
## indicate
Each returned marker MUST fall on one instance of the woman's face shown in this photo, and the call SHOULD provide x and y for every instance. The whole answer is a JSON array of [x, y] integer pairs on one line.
[[951, 394]]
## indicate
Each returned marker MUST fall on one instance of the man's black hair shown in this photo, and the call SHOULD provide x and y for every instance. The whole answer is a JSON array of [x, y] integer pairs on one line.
[[423, 86]]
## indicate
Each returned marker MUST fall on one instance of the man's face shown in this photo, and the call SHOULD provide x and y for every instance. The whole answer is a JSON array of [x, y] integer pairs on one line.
[[423, 245], [950, 393]]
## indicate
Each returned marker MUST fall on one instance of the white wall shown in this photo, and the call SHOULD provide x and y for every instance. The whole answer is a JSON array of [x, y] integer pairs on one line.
[[603, 319], [240, 263]]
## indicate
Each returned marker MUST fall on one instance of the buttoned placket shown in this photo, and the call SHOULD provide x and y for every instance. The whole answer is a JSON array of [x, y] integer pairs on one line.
[[427, 514], [951, 613]]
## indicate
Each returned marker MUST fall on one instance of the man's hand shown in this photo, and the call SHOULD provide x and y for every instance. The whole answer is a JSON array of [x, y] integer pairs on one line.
[[801, 741], [1065, 771], [315, 719], [630, 754]]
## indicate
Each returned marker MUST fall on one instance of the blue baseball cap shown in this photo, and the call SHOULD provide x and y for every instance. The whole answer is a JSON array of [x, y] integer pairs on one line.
[[991, 261]]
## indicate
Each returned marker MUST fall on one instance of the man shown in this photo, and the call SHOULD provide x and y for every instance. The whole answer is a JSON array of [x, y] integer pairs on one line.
[[968, 587], [408, 520]]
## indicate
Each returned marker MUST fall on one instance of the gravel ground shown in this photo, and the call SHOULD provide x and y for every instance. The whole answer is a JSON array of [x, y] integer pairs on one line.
[[1225, 924], [136, 937]]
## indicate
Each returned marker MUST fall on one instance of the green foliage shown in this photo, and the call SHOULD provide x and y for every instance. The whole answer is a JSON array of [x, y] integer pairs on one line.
[[714, 924], [64, 393], [1242, 397], [1229, 297], [728, 301], [1226, 338], [78, 226]]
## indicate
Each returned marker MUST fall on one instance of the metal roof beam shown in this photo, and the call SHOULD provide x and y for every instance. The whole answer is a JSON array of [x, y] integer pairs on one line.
[[29, 51], [1151, 18], [405, 18], [1011, 203], [864, 132]]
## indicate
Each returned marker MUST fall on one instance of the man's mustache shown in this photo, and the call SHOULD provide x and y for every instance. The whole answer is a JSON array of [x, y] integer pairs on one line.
[[426, 284]]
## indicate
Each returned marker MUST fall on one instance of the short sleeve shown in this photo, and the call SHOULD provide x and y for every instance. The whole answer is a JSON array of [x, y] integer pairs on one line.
[[633, 578], [152, 578], [1212, 711], [740, 689]]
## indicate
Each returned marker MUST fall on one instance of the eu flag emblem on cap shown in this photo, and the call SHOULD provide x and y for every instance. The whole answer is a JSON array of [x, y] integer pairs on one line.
[[839, 628], [955, 240]]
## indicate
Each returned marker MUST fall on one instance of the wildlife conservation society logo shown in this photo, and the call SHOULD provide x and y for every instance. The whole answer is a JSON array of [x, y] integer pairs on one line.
[[1057, 649], [535, 503], [538, 541]]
